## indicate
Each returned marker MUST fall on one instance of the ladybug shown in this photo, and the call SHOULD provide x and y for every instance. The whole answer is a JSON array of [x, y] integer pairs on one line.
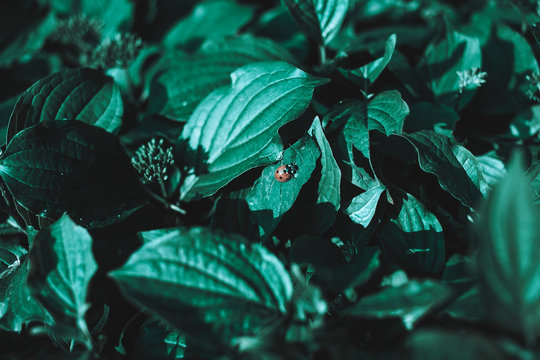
[[285, 173]]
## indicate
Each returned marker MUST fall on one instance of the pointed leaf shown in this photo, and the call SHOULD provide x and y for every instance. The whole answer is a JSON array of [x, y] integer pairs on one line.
[[472, 167], [17, 305], [362, 207], [415, 238], [78, 94], [410, 302], [508, 255], [271, 199], [329, 185], [436, 156], [235, 129], [367, 74], [320, 19], [210, 285], [62, 266], [59, 166]]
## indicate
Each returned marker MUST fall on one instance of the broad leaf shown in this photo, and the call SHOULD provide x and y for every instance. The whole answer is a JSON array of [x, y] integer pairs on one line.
[[78, 94], [209, 20], [493, 168], [472, 167], [59, 166], [270, 199], [181, 83], [233, 215], [526, 124], [409, 302], [367, 74], [208, 284], [320, 19], [17, 305], [507, 259], [116, 15], [444, 59], [62, 266], [415, 238], [156, 342], [235, 129], [436, 156], [432, 116], [363, 206]]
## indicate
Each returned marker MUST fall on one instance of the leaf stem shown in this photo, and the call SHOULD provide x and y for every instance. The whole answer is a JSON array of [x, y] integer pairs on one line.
[[167, 205], [322, 55]]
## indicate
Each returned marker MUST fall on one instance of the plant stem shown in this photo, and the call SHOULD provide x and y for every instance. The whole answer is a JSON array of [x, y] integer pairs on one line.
[[322, 55], [167, 205]]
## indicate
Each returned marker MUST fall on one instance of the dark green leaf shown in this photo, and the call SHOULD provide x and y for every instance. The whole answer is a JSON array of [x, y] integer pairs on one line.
[[526, 123], [235, 129], [62, 266], [508, 259], [157, 342], [472, 167], [367, 74], [320, 19], [79, 94], [270, 199], [492, 166], [211, 285], [209, 20], [442, 62], [116, 15], [357, 271], [436, 156], [184, 81], [415, 238], [233, 215], [432, 116], [59, 166], [17, 305], [409, 302]]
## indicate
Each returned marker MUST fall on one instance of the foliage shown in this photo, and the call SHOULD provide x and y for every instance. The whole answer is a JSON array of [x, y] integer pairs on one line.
[[142, 217]]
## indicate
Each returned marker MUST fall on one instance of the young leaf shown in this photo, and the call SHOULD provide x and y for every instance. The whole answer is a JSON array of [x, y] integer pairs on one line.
[[320, 19], [329, 185], [363, 206], [210, 285], [270, 199], [409, 302], [367, 74], [79, 94], [62, 266], [184, 81], [17, 305], [58, 166], [209, 20], [436, 156], [235, 129], [415, 238], [508, 259]]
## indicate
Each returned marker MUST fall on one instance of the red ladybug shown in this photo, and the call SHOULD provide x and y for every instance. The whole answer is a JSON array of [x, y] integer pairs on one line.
[[285, 173]]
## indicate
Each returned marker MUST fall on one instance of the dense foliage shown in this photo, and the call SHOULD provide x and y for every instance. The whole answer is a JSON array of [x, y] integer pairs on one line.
[[304, 179]]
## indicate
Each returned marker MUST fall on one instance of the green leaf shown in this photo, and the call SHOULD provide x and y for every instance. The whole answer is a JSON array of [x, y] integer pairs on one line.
[[209, 20], [116, 15], [233, 215], [181, 83], [436, 156], [59, 166], [385, 113], [62, 266], [159, 234], [526, 123], [472, 167], [507, 259], [415, 238], [409, 302], [17, 305], [329, 185], [210, 285], [492, 166], [235, 129], [367, 74], [442, 61], [78, 94], [270, 199], [320, 19], [356, 272], [363, 206]]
